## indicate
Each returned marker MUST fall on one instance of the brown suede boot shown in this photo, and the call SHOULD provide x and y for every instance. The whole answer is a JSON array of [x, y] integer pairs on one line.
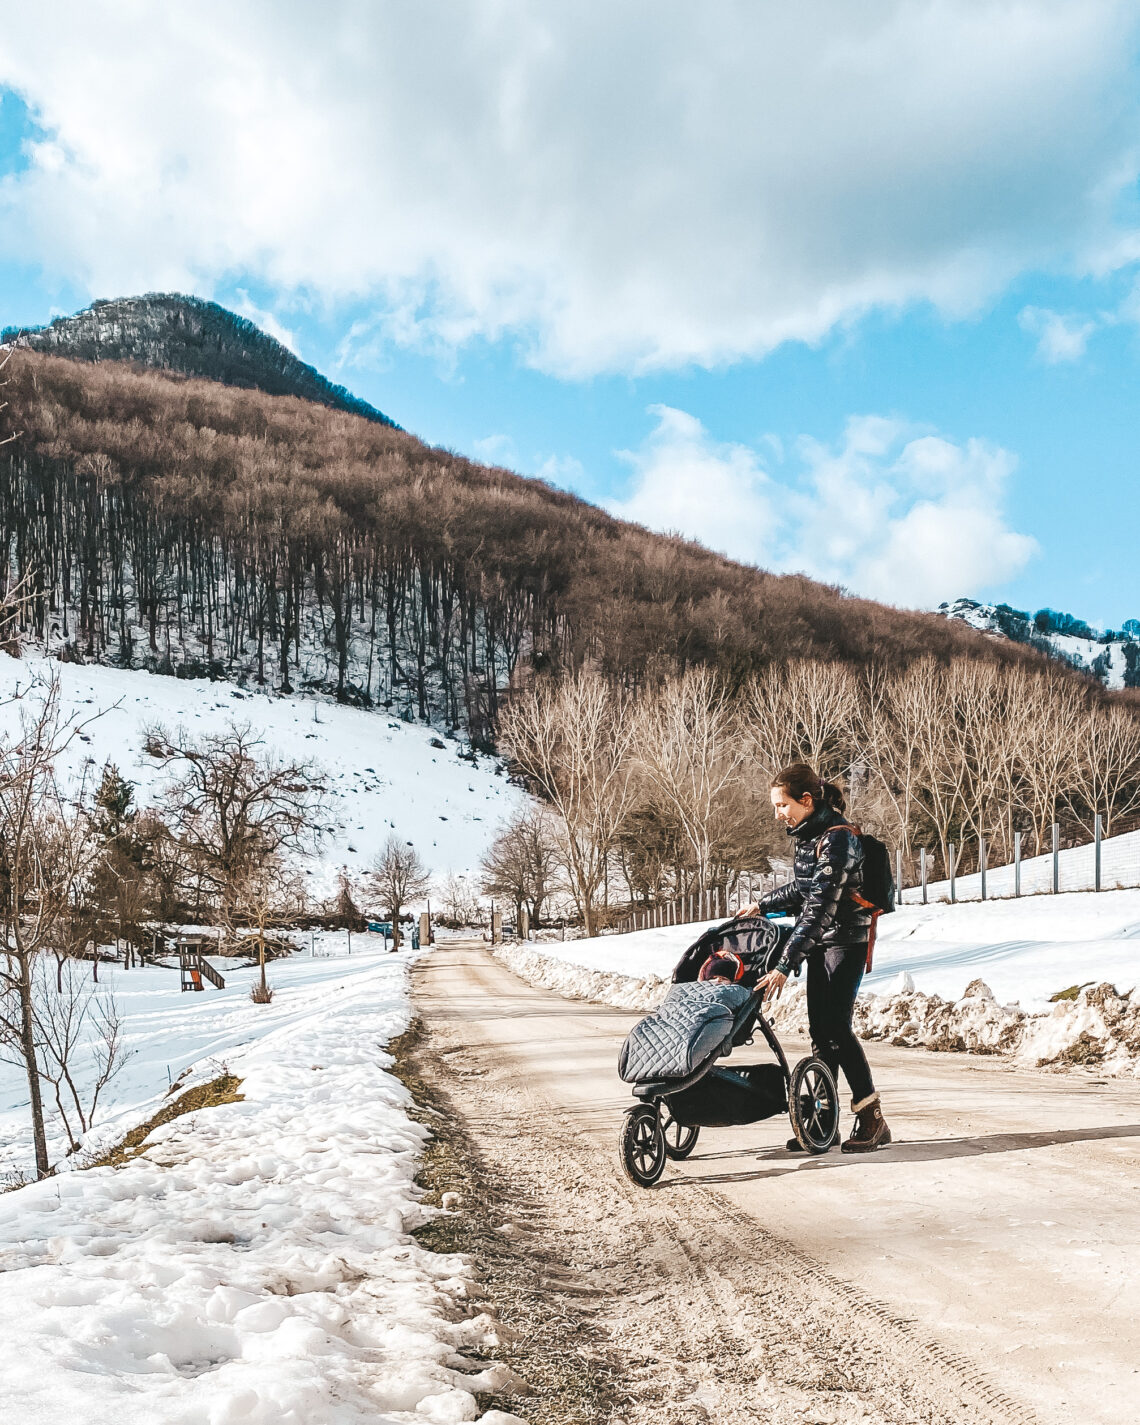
[[870, 1131]]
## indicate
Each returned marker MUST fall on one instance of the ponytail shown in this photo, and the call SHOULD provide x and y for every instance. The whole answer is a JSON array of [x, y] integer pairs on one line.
[[799, 781]]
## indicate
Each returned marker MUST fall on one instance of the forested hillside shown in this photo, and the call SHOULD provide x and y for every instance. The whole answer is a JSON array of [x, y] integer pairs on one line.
[[185, 526], [196, 338]]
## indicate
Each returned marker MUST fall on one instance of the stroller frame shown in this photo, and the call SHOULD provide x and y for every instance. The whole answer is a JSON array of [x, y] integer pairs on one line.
[[650, 1135]]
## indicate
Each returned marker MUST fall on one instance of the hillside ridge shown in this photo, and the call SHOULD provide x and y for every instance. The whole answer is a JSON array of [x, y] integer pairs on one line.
[[198, 529], [172, 332]]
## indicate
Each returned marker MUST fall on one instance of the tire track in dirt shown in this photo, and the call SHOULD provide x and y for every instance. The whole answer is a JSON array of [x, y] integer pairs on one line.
[[701, 1315]]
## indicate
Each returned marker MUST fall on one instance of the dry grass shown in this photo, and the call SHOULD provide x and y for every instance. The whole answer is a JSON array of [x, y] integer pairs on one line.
[[223, 1089], [556, 1355]]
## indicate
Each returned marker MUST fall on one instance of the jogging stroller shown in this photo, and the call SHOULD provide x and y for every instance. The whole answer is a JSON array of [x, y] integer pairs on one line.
[[672, 1059]]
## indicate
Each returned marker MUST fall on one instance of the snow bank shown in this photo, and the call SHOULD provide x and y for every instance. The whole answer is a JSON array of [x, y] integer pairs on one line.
[[385, 774], [255, 1264], [1099, 1028], [1022, 952]]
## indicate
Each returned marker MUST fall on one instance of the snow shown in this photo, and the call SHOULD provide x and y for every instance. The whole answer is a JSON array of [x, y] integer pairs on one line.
[[385, 775], [927, 959], [1080, 652], [254, 1264]]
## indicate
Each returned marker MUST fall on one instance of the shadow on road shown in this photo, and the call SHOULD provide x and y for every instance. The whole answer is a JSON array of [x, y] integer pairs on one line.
[[931, 1150]]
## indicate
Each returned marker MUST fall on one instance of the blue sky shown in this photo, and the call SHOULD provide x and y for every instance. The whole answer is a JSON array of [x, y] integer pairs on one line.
[[852, 290]]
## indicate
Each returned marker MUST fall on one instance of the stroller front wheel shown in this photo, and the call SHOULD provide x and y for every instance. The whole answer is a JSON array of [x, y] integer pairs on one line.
[[679, 1139], [813, 1105], [642, 1145]]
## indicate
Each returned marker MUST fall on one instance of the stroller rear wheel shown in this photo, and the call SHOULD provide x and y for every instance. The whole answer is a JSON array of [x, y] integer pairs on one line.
[[642, 1145], [679, 1139], [813, 1106]]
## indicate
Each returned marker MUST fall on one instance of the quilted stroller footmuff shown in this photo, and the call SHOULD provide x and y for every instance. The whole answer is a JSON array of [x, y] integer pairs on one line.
[[695, 1021]]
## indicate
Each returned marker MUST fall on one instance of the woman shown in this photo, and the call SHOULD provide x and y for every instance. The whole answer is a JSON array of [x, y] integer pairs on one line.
[[831, 933]]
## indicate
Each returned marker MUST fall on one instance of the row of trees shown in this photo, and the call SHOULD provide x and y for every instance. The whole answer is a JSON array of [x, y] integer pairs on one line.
[[663, 793]]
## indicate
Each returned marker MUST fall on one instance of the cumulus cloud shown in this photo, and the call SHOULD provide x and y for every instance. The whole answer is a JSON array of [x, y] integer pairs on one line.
[[613, 187], [908, 518], [1059, 338], [685, 482]]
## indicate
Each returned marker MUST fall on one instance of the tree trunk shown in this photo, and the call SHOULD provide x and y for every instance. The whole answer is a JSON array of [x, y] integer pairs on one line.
[[28, 1048]]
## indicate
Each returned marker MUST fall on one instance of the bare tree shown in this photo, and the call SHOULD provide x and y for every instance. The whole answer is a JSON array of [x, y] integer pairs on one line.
[[45, 852], [803, 710], [267, 894], [1107, 755], [690, 750], [459, 901], [397, 876], [233, 806], [520, 864], [75, 1022], [572, 740]]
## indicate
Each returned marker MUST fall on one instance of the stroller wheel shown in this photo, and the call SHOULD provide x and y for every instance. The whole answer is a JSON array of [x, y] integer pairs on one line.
[[679, 1140], [642, 1145], [813, 1106]]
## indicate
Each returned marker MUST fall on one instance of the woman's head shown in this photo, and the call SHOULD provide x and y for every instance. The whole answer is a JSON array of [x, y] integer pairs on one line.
[[798, 791]]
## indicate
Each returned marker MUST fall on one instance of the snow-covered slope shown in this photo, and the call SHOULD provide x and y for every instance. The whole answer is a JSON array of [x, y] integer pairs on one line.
[[926, 960], [255, 1263], [386, 775], [1112, 657]]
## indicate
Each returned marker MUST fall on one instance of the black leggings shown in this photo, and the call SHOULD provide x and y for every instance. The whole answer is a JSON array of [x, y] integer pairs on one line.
[[833, 977]]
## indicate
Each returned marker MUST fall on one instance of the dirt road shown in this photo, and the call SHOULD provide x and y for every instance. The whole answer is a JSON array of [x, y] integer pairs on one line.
[[985, 1267]]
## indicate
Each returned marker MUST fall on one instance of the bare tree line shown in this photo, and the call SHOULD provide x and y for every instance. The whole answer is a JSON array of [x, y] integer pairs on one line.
[[664, 794]]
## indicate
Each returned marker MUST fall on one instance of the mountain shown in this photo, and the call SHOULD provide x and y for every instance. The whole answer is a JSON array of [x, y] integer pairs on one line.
[[1112, 656], [185, 334]]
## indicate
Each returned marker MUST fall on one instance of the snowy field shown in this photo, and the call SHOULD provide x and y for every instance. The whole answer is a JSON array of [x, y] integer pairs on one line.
[[385, 774], [254, 1265]]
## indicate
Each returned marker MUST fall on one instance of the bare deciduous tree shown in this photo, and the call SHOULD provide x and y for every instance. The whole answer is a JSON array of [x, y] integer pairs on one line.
[[689, 747], [572, 740], [520, 864], [46, 849], [233, 806], [397, 876], [81, 1047]]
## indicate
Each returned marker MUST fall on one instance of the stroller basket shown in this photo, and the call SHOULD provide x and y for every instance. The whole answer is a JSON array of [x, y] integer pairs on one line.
[[727, 1097]]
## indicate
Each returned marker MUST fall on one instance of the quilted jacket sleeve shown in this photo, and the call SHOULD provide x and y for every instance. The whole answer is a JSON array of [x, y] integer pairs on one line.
[[836, 858], [785, 899]]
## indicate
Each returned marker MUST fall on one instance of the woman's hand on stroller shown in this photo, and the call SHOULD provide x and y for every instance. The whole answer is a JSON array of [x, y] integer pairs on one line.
[[770, 985], [752, 909]]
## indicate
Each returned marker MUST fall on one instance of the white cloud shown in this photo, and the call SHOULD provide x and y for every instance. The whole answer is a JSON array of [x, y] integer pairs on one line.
[[684, 482], [909, 519], [617, 187], [498, 449], [1059, 338]]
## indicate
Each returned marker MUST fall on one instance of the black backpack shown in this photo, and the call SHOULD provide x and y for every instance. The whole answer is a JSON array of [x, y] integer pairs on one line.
[[878, 878]]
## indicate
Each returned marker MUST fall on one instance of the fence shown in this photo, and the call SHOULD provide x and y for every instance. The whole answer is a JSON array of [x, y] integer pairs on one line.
[[1104, 863], [711, 904]]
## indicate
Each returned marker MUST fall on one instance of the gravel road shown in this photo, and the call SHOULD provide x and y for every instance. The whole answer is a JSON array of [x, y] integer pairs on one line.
[[985, 1268]]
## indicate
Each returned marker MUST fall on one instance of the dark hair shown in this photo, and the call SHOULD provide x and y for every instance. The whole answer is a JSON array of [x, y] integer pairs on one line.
[[799, 781]]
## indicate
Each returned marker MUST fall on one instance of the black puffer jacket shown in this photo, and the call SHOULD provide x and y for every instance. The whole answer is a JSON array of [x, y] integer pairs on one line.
[[827, 867]]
